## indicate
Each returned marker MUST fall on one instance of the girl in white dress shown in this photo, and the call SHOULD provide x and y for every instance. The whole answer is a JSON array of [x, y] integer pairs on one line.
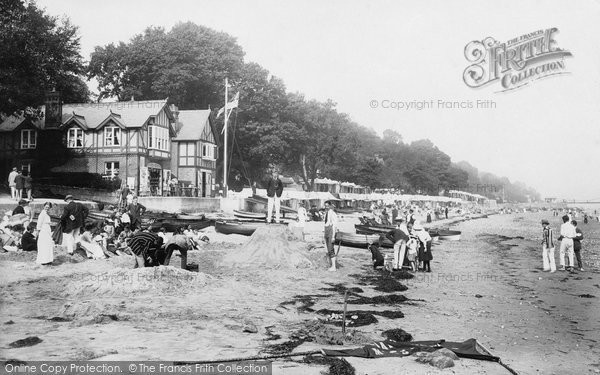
[[45, 244]]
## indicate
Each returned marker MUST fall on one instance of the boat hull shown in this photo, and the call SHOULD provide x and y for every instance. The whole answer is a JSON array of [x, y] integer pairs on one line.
[[449, 235], [360, 240], [228, 227]]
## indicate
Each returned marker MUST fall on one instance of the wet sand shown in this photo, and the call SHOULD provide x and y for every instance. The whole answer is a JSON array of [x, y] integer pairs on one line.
[[485, 286]]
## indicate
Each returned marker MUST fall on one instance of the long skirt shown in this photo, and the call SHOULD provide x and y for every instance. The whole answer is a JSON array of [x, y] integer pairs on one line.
[[45, 245], [92, 249]]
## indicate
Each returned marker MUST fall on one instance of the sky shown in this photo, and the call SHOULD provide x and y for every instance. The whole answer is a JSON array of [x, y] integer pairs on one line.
[[374, 58]]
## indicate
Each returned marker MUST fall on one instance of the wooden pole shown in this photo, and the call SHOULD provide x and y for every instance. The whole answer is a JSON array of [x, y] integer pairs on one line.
[[344, 316], [225, 142]]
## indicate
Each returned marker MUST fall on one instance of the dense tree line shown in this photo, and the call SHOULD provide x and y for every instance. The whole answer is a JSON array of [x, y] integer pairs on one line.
[[271, 128]]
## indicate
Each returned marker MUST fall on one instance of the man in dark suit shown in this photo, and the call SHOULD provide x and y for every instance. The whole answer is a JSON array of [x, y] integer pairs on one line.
[[274, 191], [72, 219]]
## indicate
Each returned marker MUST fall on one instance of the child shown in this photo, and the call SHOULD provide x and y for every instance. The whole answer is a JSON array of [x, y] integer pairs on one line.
[[412, 252], [28, 241], [376, 257]]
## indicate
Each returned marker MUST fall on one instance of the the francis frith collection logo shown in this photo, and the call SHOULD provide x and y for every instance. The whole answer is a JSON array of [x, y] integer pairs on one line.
[[514, 63]]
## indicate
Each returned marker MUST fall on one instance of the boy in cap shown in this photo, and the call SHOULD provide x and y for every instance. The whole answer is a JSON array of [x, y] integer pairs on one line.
[[548, 261]]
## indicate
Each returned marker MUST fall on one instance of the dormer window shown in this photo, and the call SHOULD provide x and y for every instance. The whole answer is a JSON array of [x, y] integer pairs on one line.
[[112, 136], [28, 138], [75, 138]]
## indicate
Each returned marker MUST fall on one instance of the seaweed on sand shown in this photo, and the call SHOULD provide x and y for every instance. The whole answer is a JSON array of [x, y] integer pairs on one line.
[[341, 288], [379, 300], [361, 319], [337, 366], [304, 303], [397, 334]]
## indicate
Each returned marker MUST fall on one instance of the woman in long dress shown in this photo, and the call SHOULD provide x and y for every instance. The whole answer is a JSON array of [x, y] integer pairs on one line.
[[45, 244]]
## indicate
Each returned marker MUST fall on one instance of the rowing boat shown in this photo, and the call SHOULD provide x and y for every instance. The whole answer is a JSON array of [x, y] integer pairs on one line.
[[232, 227], [250, 215], [449, 235], [359, 240]]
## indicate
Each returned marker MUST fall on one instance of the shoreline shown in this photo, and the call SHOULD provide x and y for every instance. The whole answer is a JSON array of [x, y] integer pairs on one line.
[[523, 315]]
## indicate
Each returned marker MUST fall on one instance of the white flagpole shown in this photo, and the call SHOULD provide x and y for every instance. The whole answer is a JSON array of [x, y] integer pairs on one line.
[[225, 143]]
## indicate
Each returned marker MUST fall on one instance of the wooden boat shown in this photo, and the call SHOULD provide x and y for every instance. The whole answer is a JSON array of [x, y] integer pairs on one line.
[[190, 217], [172, 225], [359, 240], [368, 229], [450, 235], [233, 227], [255, 199], [250, 215]]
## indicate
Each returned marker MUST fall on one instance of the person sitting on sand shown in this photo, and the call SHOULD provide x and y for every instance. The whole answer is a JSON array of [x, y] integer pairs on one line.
[[88, 242], [28, 241]]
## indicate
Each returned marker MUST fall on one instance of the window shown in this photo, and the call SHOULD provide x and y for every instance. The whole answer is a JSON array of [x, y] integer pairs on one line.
[[75, 138], [112, 136], [187, 152], [26, 168], [158, 138], [28, 138], [209, 151], [111, 169]]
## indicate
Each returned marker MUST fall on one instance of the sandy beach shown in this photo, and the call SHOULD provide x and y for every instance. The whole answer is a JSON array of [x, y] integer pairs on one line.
[[488, 286]]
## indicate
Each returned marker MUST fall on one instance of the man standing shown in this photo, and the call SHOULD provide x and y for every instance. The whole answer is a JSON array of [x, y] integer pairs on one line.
[[19, 185], [446, 211], [577, 245], [135, 211], [567, 233], [11, 183], [72, 219], [331, 222], [274, 191], [399, 238], [548, 262]]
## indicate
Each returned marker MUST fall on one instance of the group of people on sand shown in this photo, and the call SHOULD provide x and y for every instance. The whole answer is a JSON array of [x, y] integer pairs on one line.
[[412, 246], [120, 234], [570, 238]]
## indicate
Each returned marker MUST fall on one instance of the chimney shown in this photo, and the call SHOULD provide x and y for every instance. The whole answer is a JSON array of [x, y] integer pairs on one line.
[[175, 111], [53, 115]]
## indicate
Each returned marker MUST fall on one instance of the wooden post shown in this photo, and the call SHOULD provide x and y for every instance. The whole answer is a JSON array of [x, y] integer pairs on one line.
[[344, 316]]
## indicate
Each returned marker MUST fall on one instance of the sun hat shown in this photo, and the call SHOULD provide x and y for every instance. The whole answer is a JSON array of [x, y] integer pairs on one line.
[[69, 196]]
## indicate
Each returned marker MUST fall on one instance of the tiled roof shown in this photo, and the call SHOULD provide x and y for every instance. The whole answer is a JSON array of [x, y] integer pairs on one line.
[[191, 123], [133, 114], [12, 122]]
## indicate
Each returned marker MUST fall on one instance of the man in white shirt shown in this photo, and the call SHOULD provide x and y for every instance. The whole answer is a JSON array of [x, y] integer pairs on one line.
[[567, 233], [12, 183], [331, 222]]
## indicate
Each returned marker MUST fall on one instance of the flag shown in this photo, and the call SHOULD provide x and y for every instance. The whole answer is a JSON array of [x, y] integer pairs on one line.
[[231, 105]]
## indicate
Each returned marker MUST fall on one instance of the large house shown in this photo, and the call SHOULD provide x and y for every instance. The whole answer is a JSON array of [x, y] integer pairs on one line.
[[141, 142]]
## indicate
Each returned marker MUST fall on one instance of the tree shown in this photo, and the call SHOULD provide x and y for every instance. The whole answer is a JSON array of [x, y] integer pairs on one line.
[[188, 64], [38, 53]]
